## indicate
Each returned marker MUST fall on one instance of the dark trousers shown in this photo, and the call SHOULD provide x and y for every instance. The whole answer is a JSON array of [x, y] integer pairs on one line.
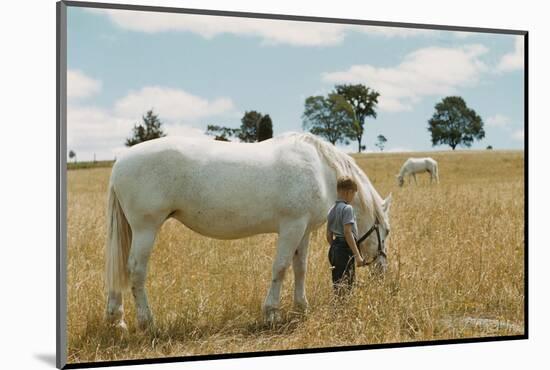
[[342, 260]]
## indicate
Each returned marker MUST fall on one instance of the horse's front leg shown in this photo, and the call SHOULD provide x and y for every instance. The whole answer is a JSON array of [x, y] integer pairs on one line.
[[291, 232], [299, 265], [414, 177]]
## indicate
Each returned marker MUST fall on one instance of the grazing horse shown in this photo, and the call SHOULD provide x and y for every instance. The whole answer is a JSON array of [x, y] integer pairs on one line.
[[225, 190], [412, 166]]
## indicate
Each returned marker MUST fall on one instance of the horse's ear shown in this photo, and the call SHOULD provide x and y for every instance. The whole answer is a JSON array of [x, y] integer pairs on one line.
[[387, 203]]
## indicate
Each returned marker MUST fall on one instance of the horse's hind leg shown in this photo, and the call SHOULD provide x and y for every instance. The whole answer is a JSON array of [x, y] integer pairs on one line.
[[290, 234], [143, 238], [299, 265], [115, 310]]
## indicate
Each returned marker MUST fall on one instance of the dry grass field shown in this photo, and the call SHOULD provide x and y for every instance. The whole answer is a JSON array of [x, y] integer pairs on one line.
[[456, 270]]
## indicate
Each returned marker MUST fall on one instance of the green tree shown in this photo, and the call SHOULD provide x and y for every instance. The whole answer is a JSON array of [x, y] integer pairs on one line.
[[361, 103], [249, 126], [254, 127], [381, 142], [151, 128], [221, 133], [328, 118], [72, 155], [453, 123], [265, 128]]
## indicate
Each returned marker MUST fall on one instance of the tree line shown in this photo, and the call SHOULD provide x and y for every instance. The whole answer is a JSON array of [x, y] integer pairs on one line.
[[255, 127], [339, 117]]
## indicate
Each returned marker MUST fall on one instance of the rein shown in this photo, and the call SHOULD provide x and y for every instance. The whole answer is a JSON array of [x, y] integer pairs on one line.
[[374, 228]]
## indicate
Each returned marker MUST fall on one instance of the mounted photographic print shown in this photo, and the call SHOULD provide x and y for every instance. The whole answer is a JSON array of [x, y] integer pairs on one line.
[[236, 184]]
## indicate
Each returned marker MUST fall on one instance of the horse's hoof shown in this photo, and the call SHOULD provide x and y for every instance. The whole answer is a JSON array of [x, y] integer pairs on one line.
[[146, 325], [301, 308], [272, 316], [121, 325], [114, 316]]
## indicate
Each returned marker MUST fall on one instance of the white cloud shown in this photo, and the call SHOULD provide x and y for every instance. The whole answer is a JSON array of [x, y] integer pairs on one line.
[[424, 72], [518, 135], [463, 34], [271, 31], [498, 120], [186, 130], [514, 60], [94, 130], [81, 86], [400, 32], [172, 104], [103, 131]]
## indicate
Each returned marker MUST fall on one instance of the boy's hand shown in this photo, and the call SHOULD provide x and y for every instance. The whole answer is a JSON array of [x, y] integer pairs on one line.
[[360, 262]]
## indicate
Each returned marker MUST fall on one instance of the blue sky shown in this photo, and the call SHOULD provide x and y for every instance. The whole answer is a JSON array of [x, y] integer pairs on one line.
[[195, 70]]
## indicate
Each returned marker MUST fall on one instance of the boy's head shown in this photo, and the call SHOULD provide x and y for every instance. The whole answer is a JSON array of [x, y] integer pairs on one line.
[[346, 188]]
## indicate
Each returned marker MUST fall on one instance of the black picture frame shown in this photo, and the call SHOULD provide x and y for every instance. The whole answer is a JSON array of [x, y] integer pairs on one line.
[[61, 188]]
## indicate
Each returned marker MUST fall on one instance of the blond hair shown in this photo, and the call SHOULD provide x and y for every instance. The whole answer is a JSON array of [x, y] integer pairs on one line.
[[346, 183]]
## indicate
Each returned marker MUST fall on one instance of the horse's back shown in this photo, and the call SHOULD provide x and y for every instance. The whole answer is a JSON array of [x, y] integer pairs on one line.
[[249, 186], [430, 162], [412, 161], [172, 167]]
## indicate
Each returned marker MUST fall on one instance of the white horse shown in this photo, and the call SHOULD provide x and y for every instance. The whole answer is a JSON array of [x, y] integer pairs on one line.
[[227, 190], [412, 166]]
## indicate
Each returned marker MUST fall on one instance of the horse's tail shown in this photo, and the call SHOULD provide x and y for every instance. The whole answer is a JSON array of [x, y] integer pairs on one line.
[[119, 237]]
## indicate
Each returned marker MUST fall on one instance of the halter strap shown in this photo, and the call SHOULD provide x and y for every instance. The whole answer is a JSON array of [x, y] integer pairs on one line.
[[367, 234], [374, 228]]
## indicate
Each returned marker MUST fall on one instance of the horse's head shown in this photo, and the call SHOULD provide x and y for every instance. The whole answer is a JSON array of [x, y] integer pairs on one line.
[[400, 180], [374, 247]]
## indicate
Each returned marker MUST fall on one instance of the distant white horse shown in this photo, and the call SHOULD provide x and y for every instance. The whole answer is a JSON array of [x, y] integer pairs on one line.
[[412, 166], [227, 190]]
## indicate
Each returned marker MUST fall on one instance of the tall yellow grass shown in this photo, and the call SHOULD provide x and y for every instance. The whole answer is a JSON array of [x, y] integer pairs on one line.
[[456, 255]]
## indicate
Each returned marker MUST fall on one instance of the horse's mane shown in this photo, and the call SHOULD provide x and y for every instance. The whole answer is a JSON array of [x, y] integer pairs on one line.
[[344, 165]]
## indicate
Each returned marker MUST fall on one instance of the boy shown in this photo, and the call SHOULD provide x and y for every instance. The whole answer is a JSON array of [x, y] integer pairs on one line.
[[341, 235]]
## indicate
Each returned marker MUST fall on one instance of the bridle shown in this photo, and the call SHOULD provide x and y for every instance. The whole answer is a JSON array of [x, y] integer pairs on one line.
[[374, 228]]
